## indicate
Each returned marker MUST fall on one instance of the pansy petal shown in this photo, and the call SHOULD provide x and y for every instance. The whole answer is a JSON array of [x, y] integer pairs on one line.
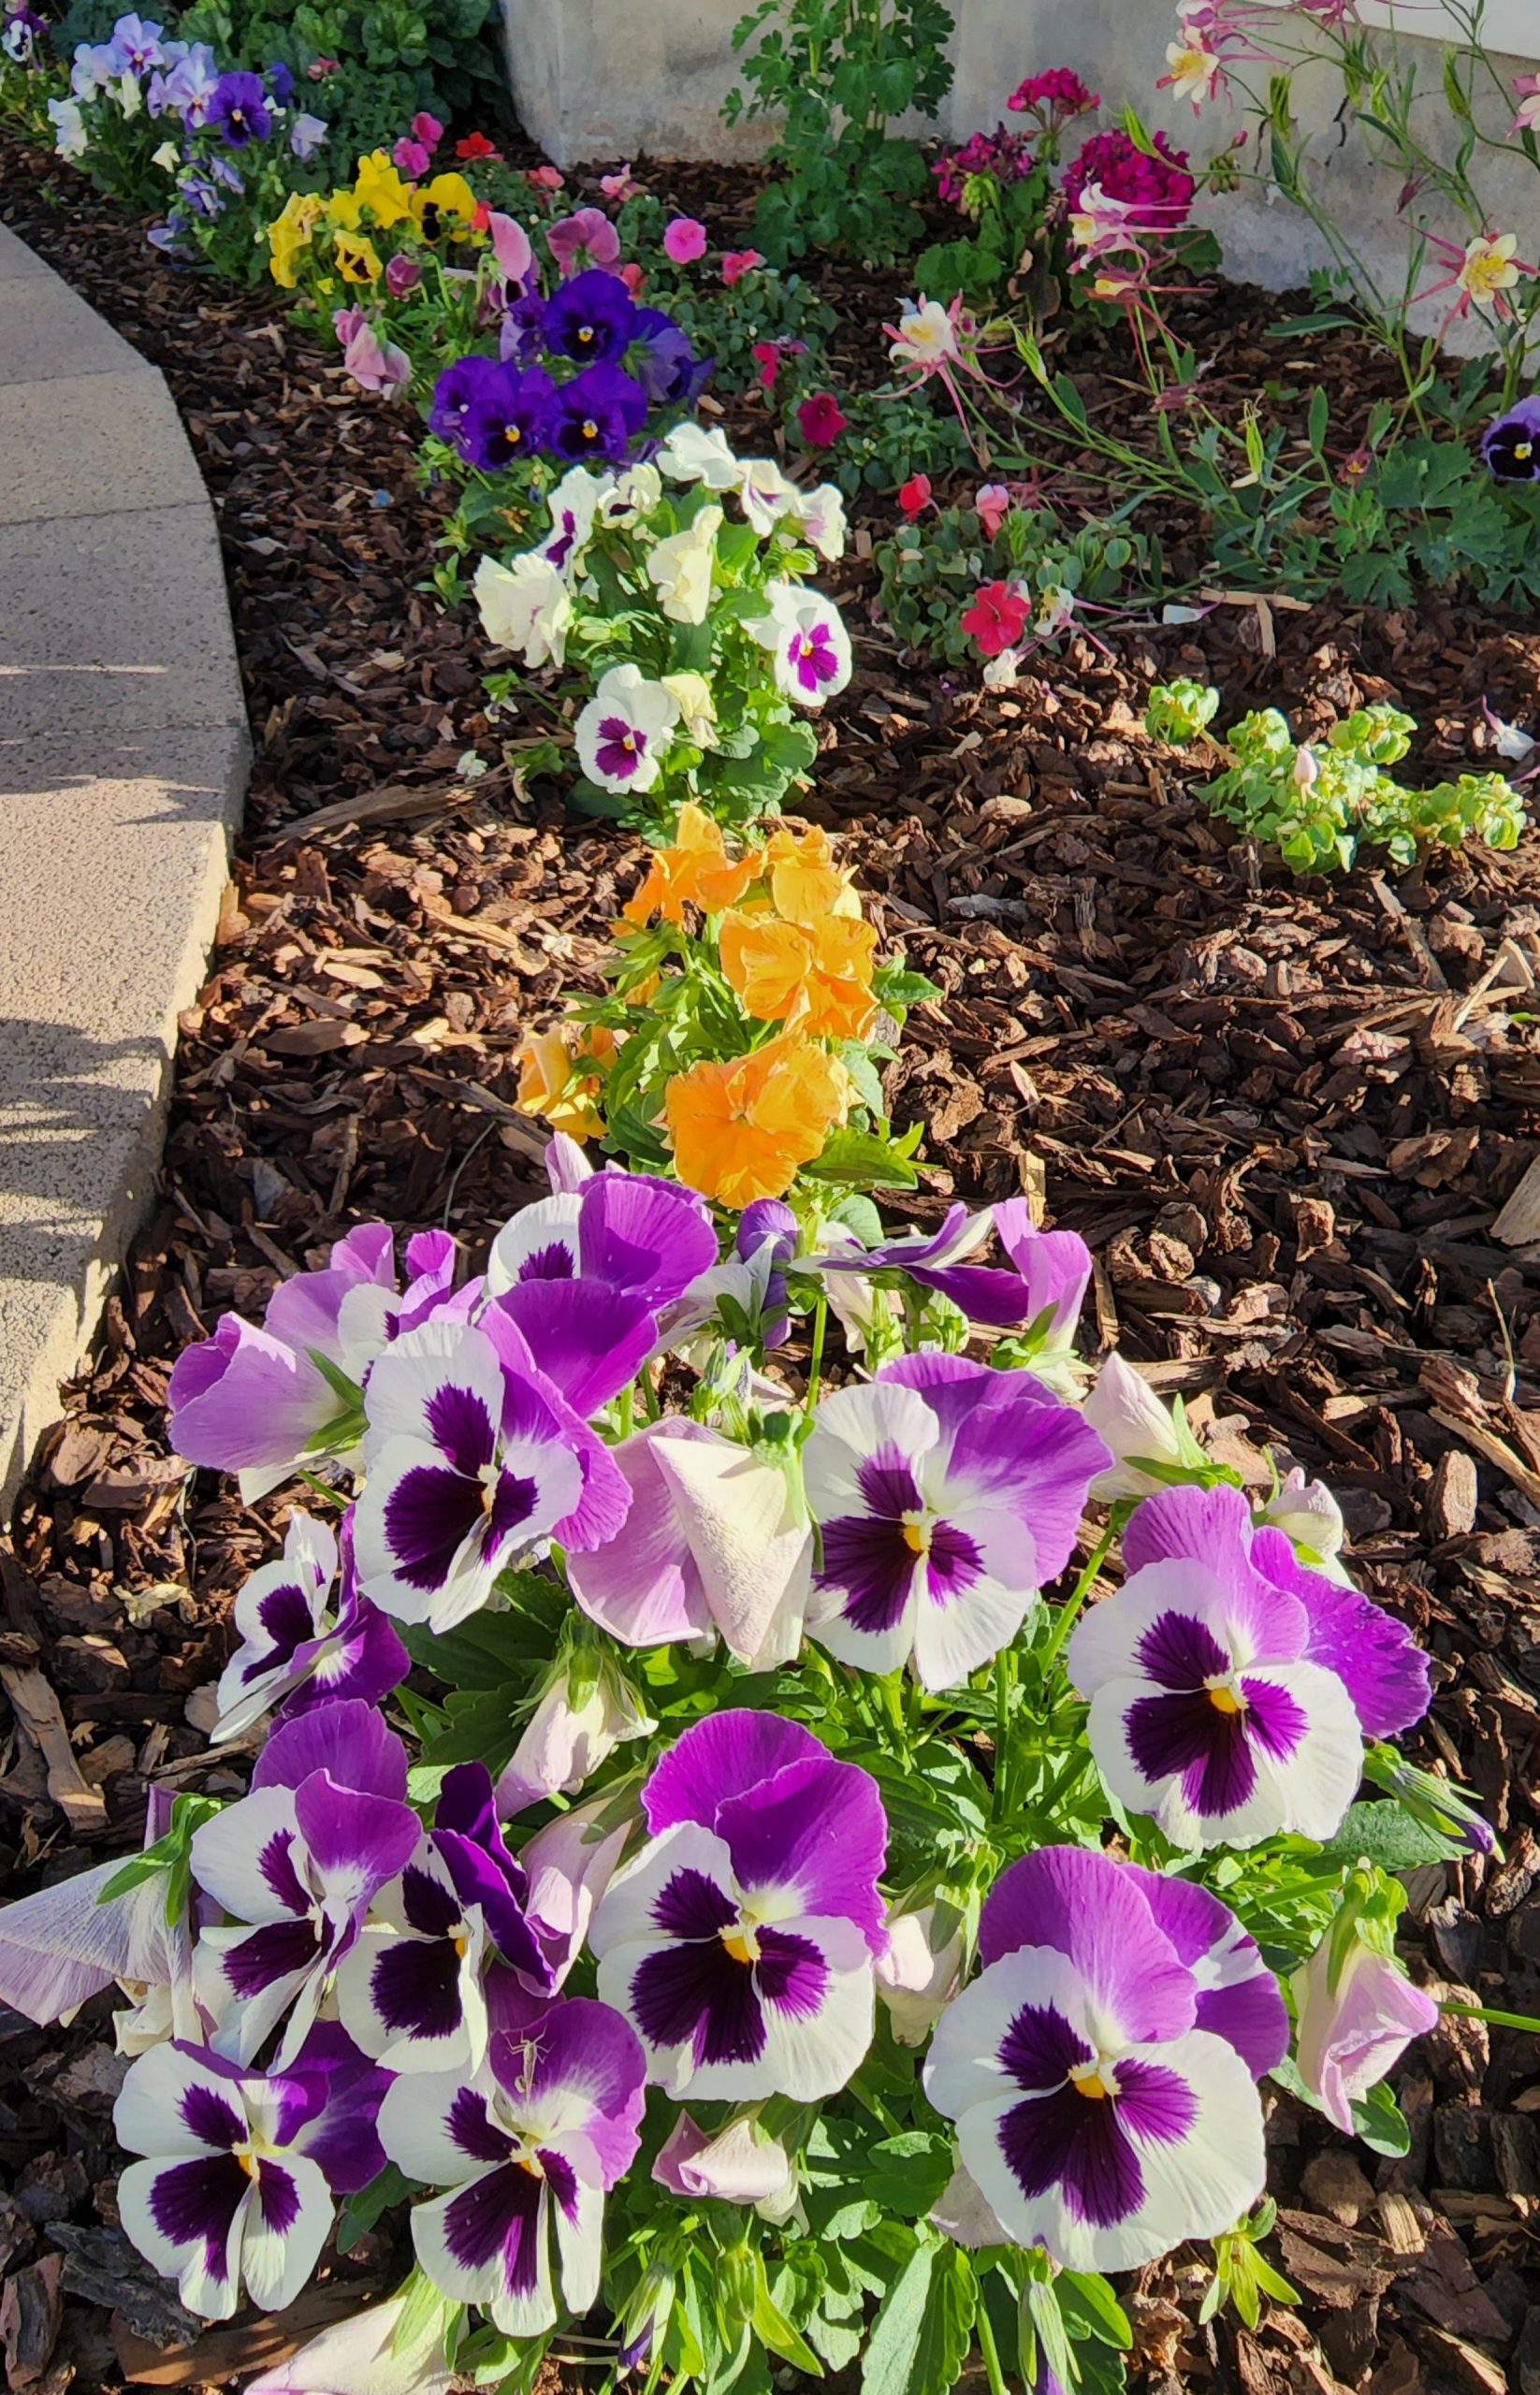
[[1376, 1657], [811, 1839], [287, 2222], [1097, 1913], [1239, 1999], [185, 2218]]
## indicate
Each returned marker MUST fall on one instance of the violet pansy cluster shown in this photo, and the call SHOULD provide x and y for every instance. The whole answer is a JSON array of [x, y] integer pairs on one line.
[[654, 1749]]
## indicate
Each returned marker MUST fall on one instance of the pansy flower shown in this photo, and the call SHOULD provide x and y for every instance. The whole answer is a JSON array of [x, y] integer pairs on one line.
[[296, 1863], [469, 1465], [695, 453], [237, 2187], [946, 1495], [527, 2147], [239, 110], [818, 978], [525, 606], [294, 1651], [625, 1232], [1511, 445], [807, 641], [680, 567], [765, 492], [509, 418], [597, 414], [696, 871], [574, 504], [1206, 1710], [664, 362], [411, 1991], [624, 732], [740, 1128], [1050, 1270], [1095, 2116], [741, 1939], [586, 235], [591, 319]]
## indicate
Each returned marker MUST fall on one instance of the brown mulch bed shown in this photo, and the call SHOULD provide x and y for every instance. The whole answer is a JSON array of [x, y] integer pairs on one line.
[[1284, 1114]]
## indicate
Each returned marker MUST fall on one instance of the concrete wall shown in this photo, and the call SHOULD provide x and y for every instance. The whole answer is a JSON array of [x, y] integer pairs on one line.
[[597, 83]]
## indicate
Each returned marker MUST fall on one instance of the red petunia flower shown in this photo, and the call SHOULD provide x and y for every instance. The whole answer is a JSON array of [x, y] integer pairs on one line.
[[914, 496], [823, 420], [475, 145]]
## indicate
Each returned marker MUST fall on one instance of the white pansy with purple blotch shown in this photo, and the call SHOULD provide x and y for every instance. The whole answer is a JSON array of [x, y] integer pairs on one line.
[[945, 1494], [1097, 2115], [625, 731], [294, 1651], [527, 2147], [574, 504], [1207, 1711], [741, 1939], [411, 1991], [468, 1466], [298, 1865], [236, 2190], [807, 641]]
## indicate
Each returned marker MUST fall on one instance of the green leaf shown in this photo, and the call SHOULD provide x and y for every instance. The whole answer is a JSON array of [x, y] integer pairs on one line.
[[861, 1160], [1384, 1834], [1090, 2308], [361, 2211], [908, 2171], [893, 2348], [1381, 2122]]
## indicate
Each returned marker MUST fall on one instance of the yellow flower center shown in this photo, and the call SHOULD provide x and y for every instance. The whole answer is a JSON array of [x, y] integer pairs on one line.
[[1224, 1700], [1089, 2079], [916, 1534], [1524, 451], [511, 434], [591, 430], [741, 1943]]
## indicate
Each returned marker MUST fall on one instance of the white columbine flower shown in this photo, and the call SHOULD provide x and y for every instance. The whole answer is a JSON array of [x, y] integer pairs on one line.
[[625, 729], [680, 568], [766, 493], [924, 337], [525, 606], [692, 455]]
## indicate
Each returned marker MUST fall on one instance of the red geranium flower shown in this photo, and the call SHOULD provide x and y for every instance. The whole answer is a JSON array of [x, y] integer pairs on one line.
[[914, 496], [767, 358], [823, 420], [996, 619], [475, 145]]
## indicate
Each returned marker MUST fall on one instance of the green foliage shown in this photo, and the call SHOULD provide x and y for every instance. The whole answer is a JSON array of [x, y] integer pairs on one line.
[[1317, 803], [1242, 2275], [1177, 712], [929, 570], [1009, 218], [1430, 511], [840, 71], [395, 57]]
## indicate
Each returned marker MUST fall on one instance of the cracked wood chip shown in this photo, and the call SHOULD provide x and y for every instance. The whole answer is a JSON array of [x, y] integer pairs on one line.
[[37, 1710]]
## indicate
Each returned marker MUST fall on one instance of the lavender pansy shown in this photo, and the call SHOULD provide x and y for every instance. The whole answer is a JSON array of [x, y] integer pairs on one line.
[[376, 2353], [70, 1940], [740, 1940], [294, 1651], [411, 1991], [946, 1495], [468, 1466], [1358, 2013], [528, 2146], [712, 1545], [297, 1863], [1206, 1712], [1094, 2116], [1511, 445], [246, 1402], [568, 1865]]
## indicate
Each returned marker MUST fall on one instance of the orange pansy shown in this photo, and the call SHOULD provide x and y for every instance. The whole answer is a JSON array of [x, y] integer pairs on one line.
[[741, 1129], [696, 871], [550, 1084], [803, 881], [818, 978]]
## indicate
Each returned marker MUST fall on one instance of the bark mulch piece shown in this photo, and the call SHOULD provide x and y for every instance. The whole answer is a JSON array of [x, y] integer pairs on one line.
[[1286, 1116]]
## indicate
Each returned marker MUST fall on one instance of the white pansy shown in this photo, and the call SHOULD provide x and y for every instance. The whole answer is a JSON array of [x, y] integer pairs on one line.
[[693, 455], [525, 606], [679, 568]]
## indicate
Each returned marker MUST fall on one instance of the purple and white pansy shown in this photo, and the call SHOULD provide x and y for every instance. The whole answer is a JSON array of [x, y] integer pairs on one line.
[[1230, 1689], [235, 2189], [411, 1991], [740, 1940], [468, 1466], [295, 1651], [297, 1864], [1044, 1284], [623, 734], [1096, 2115], [810, 646], [945, 1495], [528, 2146]]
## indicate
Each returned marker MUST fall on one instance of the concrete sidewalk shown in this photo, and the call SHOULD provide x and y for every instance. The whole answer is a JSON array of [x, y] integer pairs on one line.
[[124, 753]]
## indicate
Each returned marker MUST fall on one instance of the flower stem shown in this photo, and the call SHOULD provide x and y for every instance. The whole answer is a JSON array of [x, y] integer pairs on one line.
[[1074, 1603], [815, 1365], [988, 2347], [1498, 2019]]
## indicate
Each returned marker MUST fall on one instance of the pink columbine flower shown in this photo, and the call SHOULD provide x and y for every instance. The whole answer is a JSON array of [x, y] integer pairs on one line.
[[684, 240], [914, 496], [621, 185], [737, 263], [992, 505], [1528, 119], [821, 419], [586, 237]]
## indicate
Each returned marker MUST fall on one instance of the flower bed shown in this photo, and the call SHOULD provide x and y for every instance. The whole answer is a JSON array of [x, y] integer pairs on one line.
[[1013, 1730]]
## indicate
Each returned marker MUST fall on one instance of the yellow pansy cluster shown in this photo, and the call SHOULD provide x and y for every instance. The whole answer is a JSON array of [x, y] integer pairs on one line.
[[340, 228]]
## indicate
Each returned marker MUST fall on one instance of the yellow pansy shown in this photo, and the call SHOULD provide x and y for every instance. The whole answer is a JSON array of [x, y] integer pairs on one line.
[[291, 233], [378, 187], [446, 196], [357, 259]]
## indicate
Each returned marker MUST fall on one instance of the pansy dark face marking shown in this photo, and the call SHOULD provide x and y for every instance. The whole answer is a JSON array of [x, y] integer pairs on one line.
[[1075, 2135], [710, 1989]]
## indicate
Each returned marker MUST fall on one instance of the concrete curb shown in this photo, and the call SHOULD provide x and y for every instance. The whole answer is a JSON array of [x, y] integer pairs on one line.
[[123, 755]]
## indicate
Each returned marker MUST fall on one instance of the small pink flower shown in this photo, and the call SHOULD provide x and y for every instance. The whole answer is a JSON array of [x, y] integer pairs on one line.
[[739, 262], [510, 245], [684, 240], [429, 132], [823, 420], [545, 179], [586, 237], [996, 619], [766, 355], [634, 277], [412, 158], [992, 505], [914, 496], [319, 68], [347, 322], [1528, 120], [402, 274], [623, 185]]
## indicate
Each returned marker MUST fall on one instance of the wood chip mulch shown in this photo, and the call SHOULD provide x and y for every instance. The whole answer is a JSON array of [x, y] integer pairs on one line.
[[1286, 1115]]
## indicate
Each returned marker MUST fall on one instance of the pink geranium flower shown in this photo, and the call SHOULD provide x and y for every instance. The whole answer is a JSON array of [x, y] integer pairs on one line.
[[823, 420], [736, 263], [545, 179], [992, 505], [684, 240], [410, 156], [996, 619]]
